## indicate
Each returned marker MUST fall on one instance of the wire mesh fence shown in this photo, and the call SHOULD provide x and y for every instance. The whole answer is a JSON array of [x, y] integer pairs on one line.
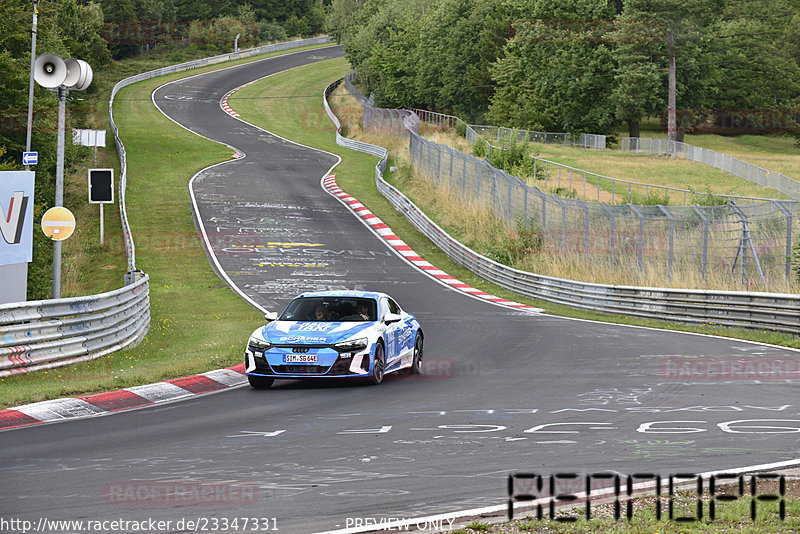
[[725, 162], [751, 242], [531, 136]]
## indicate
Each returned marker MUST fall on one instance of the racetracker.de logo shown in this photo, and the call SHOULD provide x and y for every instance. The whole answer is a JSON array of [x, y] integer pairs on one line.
[[730, 368], [181, 493]]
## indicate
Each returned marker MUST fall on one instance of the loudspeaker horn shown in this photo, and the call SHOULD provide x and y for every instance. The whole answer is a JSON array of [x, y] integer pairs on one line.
[[73, 72], [85, 79], [85, 76], [49, 71]]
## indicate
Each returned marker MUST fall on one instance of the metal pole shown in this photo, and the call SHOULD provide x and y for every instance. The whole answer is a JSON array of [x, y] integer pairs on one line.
[[62, 96], [101, 224], [30, 85]]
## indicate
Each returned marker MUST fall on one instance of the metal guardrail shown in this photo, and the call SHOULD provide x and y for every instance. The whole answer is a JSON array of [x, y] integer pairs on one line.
[[742, 169], [51, 333], [771, 311]]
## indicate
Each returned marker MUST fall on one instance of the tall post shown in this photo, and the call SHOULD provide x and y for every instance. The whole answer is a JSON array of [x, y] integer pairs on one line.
[[62, 96], [30, 85], [672, 126]]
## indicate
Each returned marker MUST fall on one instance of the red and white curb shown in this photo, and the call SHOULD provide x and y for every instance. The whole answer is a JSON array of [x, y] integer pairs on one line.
[[386, 233], [124, 399], [224, 102]]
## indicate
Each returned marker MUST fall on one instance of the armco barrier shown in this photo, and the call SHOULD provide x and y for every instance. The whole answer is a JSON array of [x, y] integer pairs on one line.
[[51, 333], [765, 311]]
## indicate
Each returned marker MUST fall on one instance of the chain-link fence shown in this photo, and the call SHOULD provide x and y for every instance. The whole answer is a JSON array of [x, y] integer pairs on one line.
[[752, 242], [728, 308], [718, 160], [530, 136]]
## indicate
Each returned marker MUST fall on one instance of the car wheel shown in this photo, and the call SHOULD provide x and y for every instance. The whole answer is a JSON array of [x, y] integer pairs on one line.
[[416, 364], [378, 365], [260, 382]]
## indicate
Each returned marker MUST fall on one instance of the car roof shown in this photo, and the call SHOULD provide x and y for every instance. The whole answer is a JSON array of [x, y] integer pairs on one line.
[[343, 293]]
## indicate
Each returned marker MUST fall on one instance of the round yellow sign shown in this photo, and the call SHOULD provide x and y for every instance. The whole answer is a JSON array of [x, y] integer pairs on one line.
[[58, 223]]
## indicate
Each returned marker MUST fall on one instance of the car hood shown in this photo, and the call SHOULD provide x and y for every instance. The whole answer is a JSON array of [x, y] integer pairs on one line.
[[311, 332]]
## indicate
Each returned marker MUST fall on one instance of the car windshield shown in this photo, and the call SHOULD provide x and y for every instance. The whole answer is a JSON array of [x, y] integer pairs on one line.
[[327, 309]]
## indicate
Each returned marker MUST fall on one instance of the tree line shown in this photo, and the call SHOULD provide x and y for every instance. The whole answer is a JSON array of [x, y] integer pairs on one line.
[[573, 65]]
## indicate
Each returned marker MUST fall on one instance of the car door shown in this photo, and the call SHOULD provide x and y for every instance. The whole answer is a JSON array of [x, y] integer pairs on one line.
[[402, 330], [390, 335]]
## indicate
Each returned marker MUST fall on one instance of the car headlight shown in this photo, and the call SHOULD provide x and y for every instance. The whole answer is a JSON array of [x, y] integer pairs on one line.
[[256, 344], [352, 345]]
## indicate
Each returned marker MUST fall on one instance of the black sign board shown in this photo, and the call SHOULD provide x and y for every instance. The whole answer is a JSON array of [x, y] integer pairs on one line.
[[101, 186]]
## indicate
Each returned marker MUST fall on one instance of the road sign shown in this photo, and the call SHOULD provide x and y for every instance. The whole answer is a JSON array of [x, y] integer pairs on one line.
[[58, 223], [30, 158], [101, 186]]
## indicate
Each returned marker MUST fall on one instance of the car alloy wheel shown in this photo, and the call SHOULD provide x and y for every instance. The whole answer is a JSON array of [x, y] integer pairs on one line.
[[416, 364], [378, 365]]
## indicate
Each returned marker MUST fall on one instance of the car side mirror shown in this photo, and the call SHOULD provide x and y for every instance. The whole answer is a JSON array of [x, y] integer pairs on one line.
[[390, 318], [270, 316]]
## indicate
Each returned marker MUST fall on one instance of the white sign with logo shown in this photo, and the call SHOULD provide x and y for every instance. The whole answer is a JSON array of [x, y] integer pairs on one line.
[[16, 217]]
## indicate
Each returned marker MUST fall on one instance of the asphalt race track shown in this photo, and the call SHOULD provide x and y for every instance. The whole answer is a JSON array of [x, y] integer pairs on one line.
[[505, 391]]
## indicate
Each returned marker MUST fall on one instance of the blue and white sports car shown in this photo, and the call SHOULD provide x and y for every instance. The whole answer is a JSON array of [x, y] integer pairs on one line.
[[335, 334]]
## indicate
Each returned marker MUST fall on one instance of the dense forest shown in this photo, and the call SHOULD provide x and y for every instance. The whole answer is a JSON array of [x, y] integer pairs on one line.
[[574, 65], [106, 34]]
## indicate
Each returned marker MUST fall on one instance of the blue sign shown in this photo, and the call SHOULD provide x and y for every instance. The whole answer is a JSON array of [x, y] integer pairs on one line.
[[16, 217], [30, 158]]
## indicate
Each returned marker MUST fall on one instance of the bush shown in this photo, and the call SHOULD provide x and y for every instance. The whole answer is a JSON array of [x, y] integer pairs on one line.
[[512, 246], [479, 148], [652, 199], [707, 199], [271, 31], [461, 129]]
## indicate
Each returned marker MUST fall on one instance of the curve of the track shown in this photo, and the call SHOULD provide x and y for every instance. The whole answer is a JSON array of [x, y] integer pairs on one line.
[[320, 453]]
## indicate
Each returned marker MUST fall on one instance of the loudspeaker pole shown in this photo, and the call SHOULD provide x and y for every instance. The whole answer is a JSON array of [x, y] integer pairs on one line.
[[30, 86], [62, 97]]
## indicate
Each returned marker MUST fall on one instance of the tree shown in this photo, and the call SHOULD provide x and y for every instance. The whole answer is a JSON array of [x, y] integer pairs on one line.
[[459, 40], [556, 72]]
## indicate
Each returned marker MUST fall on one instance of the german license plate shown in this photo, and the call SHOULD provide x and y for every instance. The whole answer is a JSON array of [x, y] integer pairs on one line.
[[300, 358]]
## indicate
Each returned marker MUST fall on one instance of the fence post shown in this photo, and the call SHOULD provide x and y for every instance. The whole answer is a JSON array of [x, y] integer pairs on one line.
[[563, 224], [525, 206], [508, 209], [544, 213], [705, 238], [464, 180], [586, 228], [640, 248], [788, 215], [478, 186], [610, 234], [671, 240], [439, 166]]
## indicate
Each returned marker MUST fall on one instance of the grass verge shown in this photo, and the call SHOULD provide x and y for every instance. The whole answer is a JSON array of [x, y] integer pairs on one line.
[[356, 176], [197, 322]]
